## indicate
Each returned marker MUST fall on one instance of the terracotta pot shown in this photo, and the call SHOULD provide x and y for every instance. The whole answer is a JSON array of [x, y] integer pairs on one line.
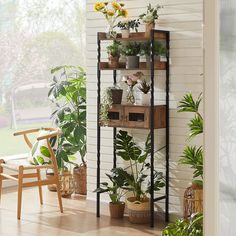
[[132, 62], [138, 211], [125, 33], [113, 62], [116, 96], [117, 210], [80, 178], [148, 27]]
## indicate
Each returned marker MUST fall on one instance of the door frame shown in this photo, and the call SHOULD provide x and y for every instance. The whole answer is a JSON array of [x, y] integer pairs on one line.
[[211, 117]]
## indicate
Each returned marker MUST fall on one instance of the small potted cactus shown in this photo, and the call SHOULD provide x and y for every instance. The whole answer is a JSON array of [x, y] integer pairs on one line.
[[145, 95]]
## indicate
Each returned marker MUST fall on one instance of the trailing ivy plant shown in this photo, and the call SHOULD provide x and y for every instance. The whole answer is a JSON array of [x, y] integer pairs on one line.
[[68, 93], [181, 227], [193, 155]]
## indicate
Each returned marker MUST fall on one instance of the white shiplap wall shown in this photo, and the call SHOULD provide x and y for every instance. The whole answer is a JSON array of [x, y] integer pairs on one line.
[[184, 19]]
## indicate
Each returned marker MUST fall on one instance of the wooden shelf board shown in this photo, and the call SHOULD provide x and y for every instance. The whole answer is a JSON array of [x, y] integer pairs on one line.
[[140, 36], [142, 66]]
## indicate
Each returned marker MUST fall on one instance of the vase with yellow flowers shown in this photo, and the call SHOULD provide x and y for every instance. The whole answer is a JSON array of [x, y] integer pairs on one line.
[[112, 11]]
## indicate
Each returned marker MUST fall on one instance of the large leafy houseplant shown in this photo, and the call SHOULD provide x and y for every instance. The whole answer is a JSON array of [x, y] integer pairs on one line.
[[68, 93], [136, 173], [193, 155]]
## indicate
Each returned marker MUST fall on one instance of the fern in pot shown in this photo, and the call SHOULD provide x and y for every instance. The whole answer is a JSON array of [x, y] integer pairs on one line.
[[126, 25], [116, 189], [145, 95], [137, 175], [131, 50]]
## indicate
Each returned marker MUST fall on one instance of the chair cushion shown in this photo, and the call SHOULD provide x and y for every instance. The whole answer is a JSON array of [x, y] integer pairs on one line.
[[16, 160], [39, 154]]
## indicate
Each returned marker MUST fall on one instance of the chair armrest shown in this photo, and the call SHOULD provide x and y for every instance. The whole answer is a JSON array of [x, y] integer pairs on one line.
[[26, 132], [53, 134]]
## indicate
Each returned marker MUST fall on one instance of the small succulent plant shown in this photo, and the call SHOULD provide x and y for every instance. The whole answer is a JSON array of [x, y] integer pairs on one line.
[[144, 87]]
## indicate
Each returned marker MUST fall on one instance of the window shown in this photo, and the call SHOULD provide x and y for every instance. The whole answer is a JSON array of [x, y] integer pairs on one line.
[[35, 36]]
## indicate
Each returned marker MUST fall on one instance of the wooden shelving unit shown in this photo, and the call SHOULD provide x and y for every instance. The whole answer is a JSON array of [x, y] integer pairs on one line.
[[137, 117], [142, 66]]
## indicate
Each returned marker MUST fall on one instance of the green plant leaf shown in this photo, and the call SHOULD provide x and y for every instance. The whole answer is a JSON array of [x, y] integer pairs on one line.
[[45, 151], [34, 148]]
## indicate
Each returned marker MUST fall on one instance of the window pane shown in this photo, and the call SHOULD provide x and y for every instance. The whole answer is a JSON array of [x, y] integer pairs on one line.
[[35, 36]]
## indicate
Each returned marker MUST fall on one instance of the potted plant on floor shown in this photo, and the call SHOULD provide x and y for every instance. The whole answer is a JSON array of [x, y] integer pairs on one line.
[[68, 93], [111, 95], [193, 156], [136, 175], [116, 190], [149, 18], [113, 51], [145, 95], [126, 25], [131, 50]]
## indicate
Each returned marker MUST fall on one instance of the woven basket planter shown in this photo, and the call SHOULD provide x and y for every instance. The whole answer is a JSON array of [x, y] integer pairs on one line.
[[138, 211], [66, 183], [80, 178], [193, 200]]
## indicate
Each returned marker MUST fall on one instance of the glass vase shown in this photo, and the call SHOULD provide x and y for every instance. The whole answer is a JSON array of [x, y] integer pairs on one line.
[[111, 33], [130, 98]]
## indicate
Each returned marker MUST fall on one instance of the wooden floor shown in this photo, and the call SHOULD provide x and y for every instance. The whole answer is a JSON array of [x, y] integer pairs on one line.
[[78, 218]]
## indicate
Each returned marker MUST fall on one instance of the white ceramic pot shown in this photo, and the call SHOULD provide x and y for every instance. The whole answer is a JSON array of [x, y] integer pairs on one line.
[[125, 33], [145, 99]]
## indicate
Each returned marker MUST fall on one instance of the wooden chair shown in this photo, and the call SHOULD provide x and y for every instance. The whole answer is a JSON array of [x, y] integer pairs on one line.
[[21, 165]]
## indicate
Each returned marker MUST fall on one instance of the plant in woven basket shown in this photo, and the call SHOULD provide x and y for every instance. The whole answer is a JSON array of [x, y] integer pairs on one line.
[[137, 175], [190, 227], [193, 155]]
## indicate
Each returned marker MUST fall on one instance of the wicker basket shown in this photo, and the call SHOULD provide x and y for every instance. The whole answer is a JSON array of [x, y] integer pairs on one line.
[[193, 200], [80, 178], [138, 211], [66, 183]]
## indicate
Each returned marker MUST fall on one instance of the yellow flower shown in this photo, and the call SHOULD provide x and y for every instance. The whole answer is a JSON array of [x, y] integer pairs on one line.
[[124, 12], [110, 13], [116, 6], [99, 6]]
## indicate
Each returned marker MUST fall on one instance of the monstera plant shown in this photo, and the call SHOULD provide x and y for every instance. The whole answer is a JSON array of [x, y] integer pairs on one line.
[[68, 93]]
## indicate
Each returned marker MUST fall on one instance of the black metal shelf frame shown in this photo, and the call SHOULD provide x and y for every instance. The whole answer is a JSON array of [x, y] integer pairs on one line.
[[152, 70]]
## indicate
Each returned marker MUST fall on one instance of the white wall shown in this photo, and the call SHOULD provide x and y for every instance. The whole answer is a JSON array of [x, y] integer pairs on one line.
[[184, 19]]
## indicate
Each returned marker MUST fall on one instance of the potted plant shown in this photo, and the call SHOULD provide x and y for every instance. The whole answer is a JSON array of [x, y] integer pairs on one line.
[[145, 87], [113, 51], [193, 155], [136, 175], [112, 11], [68, 93], [126, 25], [111, 95], [116, 190], [131, 81], [131, 50], [159, 52], [192, 226], [149, 18]]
